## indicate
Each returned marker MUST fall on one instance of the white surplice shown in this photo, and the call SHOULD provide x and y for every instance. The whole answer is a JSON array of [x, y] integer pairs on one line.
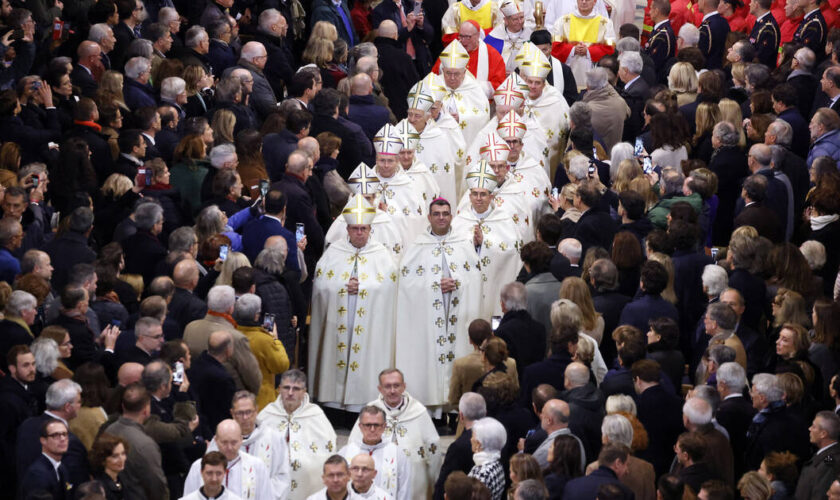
[[246, 476], [393, 471]]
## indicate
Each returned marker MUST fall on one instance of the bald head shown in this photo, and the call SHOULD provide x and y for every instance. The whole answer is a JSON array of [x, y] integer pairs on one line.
[[555, 415], [277, 241], [297, 162], [363, 459], [88, 49], [367, 64], [387, 29], [185, 274], [361, 84], [576, 375], [220, 345], [311, 146], [129, 373], [228, 428]]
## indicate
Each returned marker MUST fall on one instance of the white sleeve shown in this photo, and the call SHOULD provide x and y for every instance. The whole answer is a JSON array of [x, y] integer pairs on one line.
[[280, 479], [193, 481], [264, 482], [403, 477]]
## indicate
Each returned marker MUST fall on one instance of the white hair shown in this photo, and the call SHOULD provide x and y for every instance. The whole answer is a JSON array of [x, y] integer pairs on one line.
[[472, 406], [806, 58], [247, 307], [514, 296], [621, 402], [579, 167], [698, 411], [172, 86], [252, 50], [222, 154], [632, 61], [596, 78], [570, 248], [714, 279], [269, 17], [221, 298], [20, 301], [767, 385], [136, 66], [783, 132], [617, 429], [490, 433], [167, 15], [98, 31], [814, 253], [46, 355], [690, 35], [194, 36], [733, 376], [619, 152], [61, 393], [627, 44]]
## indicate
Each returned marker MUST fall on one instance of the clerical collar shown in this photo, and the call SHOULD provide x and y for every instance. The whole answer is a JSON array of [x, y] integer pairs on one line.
[[438, 237], [710, 14], [354, 490], [208, 497], [402, 401], [483, 215], [660, 23]]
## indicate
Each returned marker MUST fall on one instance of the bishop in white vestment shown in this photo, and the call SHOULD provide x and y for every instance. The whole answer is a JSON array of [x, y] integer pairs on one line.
[[465, 100], [246, 475], [310, 436], [351, 334], [363, 181], [508, 38], [495, 236], [416, 169], [393, 471], [409, 425], [362, 473]]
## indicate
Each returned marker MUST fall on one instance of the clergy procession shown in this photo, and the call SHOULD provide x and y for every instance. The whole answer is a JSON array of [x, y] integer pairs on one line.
[[420, 249]]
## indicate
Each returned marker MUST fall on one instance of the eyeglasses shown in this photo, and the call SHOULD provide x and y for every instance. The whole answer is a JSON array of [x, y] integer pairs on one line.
[[361, 469], [158, 336], [58, 435], [243, 413], [372, 426]]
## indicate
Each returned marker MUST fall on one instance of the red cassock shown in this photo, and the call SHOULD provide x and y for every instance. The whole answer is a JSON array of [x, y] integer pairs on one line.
[[495, 70]]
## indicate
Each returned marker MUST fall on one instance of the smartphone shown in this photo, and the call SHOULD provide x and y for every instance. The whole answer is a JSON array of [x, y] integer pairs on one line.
[[268, 322], [647, 165], [178, 375], [223, 252], [299, 232], [35, 180], [263, 187], [417, 6], [144, 179], [714, 253], [58, 28], [116, 322], [592, 170], [555, 193], [494, 322], [36, 85], [639, 148]]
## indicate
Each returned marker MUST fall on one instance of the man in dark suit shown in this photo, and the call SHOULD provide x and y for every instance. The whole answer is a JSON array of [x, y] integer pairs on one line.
[[688, 272], [300, 209], [620, 380], [185, 306], [649, 303], [280, 65], [778, 137], [130, 13], [774, 427], [595, 227], [459, 455], [662, 43], [612, 467], [735, 412], [821, 470], [271, 224], [149, 335], [805, 81], [756, 213], [603, 277], [278, 146], [586, 403], [85, 114], [636, 92], [71, 247], [659, 412], [812, 30], [47, 474], [785, 99], [713, 32], [550, 371], [729, 163], [765, 35], [88, 61], [692, 467], [63, 403], [525, 337], [325, 105], [212, 383], [17, 403], [364, 111], [401, 72]]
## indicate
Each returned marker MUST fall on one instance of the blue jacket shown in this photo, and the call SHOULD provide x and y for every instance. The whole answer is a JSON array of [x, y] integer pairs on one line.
[[259, 230], [826, 145], [9, 266], [645, 308], [367, 114], [586, 487], [326, 10], [137, 95], [41, 477]]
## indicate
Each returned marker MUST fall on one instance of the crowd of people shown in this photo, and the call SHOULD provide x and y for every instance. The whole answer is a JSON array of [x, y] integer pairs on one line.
[[275, 249]]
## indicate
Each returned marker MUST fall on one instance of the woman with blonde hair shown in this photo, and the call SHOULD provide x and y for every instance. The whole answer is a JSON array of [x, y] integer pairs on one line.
[[682, 79], [753, 486], [707, 115], [320, 51], [9, 164], [667, 294], [234, 261], [223, 124], [576, 290], [626, 171], [730, 112], [199, 87], [566, 312], [111, 89], [522, 467], [325, 30], [641, 185]]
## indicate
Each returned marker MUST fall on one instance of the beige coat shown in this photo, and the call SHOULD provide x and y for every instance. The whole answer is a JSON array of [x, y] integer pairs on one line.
[[608, 114], [243, 366]]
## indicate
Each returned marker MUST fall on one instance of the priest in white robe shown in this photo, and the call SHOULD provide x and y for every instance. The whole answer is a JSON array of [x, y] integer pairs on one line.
[[307, 431], [441, 147], [545, 106], [465, 100], [402, 199], [393, 471], [362, 474], [510, 96], [508, 38], [245, 475], [554, 9], [335, 477], [560, 76], [582, 36], [363, 181], [494, 234], [351, 334], [415, 168], [409, 425], [213, 468]]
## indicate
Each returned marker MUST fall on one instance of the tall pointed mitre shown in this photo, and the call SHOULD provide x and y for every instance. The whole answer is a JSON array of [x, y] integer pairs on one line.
[[481, 176], [454, 56], [511, 126], [434, 85], [358, 211], [511, 92], [532, 62], [387, 141], [494, 148], [510, 7], [408, 134], [420, 97], [363, 180]]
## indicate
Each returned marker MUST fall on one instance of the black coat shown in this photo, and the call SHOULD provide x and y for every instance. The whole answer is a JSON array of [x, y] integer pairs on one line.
[[175, 211], [12, 334], [764, 220], [275, 300], [350, 154], [400, 76], [16, 405], [729, 163], [586, 487], [610, 304], [801, 140], [29, 449], [185, 307], [81, 77], [366, 113], [635, 97], [276, 150], [735, 415], [550, 371], [214, 387], [100, 150], [586, 404], [695, 475], [84, 347], [661, 414], [829, 236], [595, 229], [300, 208], [143, 251], [40, 477], [459, 456], [525, 338], [671, 361], [66, 251], [280, 65], [619, 381], [688, 285], [777, 430], [754, 291]]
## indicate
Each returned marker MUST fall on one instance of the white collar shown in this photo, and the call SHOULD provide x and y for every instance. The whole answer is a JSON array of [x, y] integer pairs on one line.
[[660, 23], [762, 16], [54, 463], [149, 137], [631, 82], [273, 217], [808, 14], [710, 14], [733, 395], [818, 451], [53, 415], [483, 215]]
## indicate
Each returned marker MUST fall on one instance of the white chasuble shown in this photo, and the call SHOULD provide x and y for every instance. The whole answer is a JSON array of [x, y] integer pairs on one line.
[[393, 472], [441, 149], [499, 253], [404, 204], [432, 325], [197, 495], [246, 476], [512, 195], [534, 143], [351, 336], [424, 181], [551, 111], [310, 438], [536, 184], [373, 493], [413, 431], [469, 103], [382, 230], [512, 44]]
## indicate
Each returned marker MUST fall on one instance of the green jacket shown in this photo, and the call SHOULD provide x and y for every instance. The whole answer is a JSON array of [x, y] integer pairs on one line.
[[188, 176], [658, 215]]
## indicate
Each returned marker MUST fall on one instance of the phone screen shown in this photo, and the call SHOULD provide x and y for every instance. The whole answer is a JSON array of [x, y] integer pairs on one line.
[[647, 165], [223, 252], [494, 322], [639, 148], [417, 6], [268, 322], [299, 231], [263, 188], [555, 193], [178, 376]]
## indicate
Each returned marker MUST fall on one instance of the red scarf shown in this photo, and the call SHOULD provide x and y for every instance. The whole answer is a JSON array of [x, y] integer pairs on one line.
[[226, 316], [158, 186], [93, 125]]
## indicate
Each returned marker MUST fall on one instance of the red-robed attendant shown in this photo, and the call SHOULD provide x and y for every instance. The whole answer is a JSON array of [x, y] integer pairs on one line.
[[582, 38], [486, 64]]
